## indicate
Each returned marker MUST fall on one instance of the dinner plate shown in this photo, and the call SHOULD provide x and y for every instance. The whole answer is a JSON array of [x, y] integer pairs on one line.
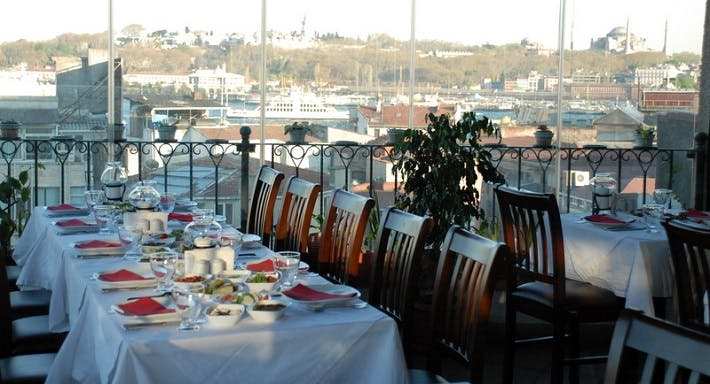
[[108, 251], [67, 212], [147, 319], [302, 265], [624, 220], [68, 230], [140, 270], [184, 205], [332, 289]]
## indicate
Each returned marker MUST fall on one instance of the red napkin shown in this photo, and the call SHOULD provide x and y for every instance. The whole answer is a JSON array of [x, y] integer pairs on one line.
[[61, 207], [97, 244], [144, 306], [72, 223], [121, 275], [184, 217], [261, 266], [695, 214], [305, 293], [604, 219]]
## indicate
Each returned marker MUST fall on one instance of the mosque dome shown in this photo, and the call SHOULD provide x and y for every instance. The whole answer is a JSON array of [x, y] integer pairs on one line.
[[617, 32]]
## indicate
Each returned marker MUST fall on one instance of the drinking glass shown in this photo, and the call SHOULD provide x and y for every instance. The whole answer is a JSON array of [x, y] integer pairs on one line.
[[104, 217], [94, 197], [651, 214], [662, 196], [131, 235], [167, 202], [188, 304], [163, 265], [286, 263]]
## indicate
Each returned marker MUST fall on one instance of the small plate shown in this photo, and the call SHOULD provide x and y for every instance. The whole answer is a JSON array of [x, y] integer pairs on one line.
[[623, 221], [148, 319], [148, 282], [184, 205], [108, 251], [332, 289], [67, 212]]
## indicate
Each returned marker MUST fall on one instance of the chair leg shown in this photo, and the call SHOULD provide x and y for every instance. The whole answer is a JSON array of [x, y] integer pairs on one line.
[[574, 350], [509, 349], [558, 349]]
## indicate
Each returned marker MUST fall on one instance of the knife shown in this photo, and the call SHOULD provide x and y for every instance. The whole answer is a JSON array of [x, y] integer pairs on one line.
[[131, 327], [148, 297], [106, 290]]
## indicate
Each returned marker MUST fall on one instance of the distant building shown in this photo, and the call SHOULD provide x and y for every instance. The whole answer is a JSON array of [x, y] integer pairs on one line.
[[653, 100], [619, 40], [618, 126]]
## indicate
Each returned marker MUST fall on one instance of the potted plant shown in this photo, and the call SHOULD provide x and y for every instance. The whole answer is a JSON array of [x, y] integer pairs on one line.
[[14, 196], [643, 136], [114, 132], [297, 131], [166, 129], [543, 136], [314, 240], [10, 129], [394, 135]]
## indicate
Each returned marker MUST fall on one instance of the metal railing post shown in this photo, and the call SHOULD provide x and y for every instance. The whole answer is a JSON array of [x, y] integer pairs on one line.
[[699, 154], [245, 148]]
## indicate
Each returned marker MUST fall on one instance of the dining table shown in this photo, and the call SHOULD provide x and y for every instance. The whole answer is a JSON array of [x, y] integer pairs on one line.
[[347, 344], [632, 260]]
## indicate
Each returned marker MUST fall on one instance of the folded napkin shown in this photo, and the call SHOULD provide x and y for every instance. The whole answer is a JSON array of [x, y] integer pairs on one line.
[[261, 266], [97, 244], [73, 223], [143, 307], [305, 293], [695, 214], [62, 207], [184, 217], [121, 275], [604, 219]]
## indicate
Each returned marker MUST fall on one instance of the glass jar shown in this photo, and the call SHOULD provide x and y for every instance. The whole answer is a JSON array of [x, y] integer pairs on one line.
[[114, 179], [603, 188], [203, 231], [144, 195]]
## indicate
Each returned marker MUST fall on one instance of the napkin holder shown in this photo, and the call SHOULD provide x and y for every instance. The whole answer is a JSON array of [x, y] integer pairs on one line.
[[151, 222], [194, 258]]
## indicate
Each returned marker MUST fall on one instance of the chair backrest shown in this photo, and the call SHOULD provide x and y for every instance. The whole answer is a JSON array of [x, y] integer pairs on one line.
[[261, 209], [690, 252], [532, 229], [668, 352], [397, 257], [5, 313], [463, 292], [296, 214], [343, 233]]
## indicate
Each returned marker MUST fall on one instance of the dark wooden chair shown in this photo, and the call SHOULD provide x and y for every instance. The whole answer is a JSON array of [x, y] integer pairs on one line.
[[395, 266], [690, 252], [295, 221], [536, 284], [463, 292], [342, 235], [645, 349], [261, 209]]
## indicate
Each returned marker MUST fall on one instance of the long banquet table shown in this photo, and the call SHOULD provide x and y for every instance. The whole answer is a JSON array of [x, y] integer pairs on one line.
[[345, 345]]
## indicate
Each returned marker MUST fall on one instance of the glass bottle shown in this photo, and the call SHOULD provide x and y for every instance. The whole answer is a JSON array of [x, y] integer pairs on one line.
[[144, 195], [203, 231], [114, 179], [603, 188]]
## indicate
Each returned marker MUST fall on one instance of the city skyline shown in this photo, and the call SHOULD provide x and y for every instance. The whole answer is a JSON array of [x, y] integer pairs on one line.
[[503, 22]]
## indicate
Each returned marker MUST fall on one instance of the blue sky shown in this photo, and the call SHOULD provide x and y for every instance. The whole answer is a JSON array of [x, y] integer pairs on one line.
[[468, 22]]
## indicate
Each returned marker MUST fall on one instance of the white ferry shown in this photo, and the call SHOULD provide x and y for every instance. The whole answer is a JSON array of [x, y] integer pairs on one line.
[[297, 105]]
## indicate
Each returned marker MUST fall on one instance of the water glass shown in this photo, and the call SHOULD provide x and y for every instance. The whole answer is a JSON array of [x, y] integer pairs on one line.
[[651, 214], [163, 265], [94, 197], [167, 202], [662, 196], [131, 235], [287, 264], [104, 217], [188, 305]]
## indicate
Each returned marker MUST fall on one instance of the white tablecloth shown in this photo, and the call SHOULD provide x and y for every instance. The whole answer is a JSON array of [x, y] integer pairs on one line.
[[344, 345], [634, 264]]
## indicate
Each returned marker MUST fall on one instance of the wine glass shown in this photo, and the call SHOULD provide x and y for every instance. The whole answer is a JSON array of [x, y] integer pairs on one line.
[[163, 265], [94, 197], [651, 214], [188, 305], [167, 202], [131, 235]]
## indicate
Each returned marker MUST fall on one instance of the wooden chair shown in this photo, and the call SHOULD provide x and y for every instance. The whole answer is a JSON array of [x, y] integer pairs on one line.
[[395, 265], [261, 209], [690, 252], [342, 234], [669, 353], [463, 292], [536, 284], [295, 221]]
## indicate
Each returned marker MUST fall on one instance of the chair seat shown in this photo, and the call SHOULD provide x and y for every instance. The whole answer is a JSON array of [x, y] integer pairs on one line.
[[29, 303], [31, 335], [26, 368], [579, 296], [13, 273]]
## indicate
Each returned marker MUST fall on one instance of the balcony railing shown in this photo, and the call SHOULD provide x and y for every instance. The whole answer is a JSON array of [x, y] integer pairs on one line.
[[217, 173]]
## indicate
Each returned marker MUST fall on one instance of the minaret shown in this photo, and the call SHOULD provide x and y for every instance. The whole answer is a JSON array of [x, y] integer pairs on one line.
[[665, 39], [627, 47]]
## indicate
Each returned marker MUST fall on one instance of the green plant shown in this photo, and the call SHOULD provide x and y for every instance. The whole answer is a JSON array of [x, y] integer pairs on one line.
[[318, 218], [542, 127], [373, 224], [14, 195], [645, 131], [441, 166], [296, 126]]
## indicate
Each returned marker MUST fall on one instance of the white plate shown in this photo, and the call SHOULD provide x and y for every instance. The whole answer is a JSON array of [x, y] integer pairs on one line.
[[184, 205], [108, 251], [75, 229], [163, 317], [302, 265], [625, 220], [332, 289], [140, 270], [67, 212]]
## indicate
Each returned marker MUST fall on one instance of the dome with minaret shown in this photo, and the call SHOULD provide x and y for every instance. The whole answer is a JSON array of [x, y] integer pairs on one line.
[[617, 32]]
